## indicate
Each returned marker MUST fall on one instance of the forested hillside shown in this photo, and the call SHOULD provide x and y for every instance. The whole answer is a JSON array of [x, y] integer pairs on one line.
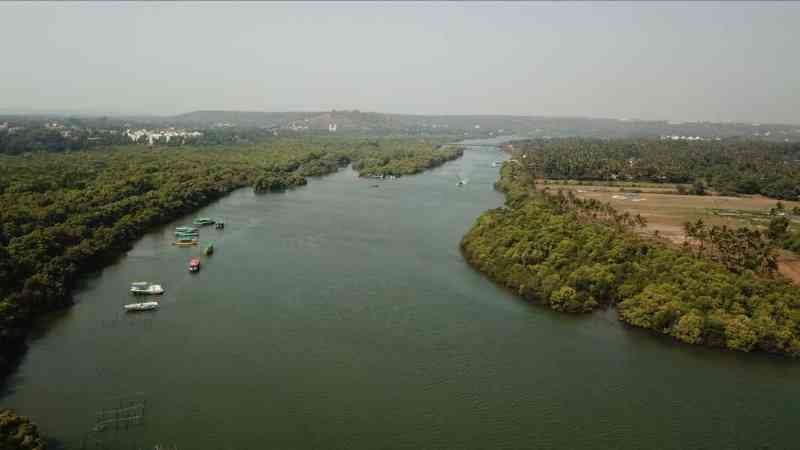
[[577, 255], [730, 166], [63, 215]]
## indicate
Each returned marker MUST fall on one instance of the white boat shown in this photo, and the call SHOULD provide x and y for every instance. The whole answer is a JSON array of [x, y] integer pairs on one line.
[[143, 287], [143, 306], [497, 164]]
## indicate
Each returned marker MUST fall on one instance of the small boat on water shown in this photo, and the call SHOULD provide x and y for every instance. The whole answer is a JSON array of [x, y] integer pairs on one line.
[[219, 225], [461, 183], [185, 242], [142, 306], [194, 265], [187, 233], [203, 221], [209, 250], [186, 229], [497, 164], [146, 288]]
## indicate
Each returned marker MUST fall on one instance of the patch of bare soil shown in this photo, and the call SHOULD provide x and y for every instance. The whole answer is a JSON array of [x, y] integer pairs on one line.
[[666, 214], [789, 266]]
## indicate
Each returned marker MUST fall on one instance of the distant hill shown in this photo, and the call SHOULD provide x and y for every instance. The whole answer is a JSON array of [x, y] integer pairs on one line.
[[354, 121], [351, 120], [357, 121], [237, 118]]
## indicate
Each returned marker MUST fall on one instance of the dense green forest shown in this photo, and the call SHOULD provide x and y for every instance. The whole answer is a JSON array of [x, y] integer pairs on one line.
[[404, 161], [37, 139], [577, 255], [780, 228], [729, 166], [18, 433], [63, 215]]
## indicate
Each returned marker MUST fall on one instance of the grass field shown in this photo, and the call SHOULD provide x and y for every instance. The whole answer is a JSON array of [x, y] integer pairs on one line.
[[616, 186], [666, 212]]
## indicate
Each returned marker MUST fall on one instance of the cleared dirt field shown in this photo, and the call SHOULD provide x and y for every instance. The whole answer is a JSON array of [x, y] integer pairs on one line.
[[615, 186], [667, 213], [789, 266]]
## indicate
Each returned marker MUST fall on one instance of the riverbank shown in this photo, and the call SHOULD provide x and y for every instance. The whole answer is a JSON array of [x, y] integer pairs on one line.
[[351, 308], [56, 230], [236, 224]]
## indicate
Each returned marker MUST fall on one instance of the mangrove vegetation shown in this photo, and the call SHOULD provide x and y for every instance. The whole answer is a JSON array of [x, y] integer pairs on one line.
[[18, 432], [577, 255], [65, 214]]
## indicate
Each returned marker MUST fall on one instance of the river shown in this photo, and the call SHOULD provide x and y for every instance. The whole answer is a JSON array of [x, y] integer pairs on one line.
[[342, 316]]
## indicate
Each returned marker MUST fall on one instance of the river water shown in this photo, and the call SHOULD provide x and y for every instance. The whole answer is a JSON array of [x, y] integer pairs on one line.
[[342, 316]]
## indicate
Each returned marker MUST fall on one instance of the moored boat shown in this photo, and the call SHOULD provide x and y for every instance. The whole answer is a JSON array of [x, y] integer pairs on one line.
[[202, 221], [141, 306], [220, 225], [209, 250], [146, 288], [194, 265], [184, 243]]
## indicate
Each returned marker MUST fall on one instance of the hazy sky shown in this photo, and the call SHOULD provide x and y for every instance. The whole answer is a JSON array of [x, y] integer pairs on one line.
[[672, 60]]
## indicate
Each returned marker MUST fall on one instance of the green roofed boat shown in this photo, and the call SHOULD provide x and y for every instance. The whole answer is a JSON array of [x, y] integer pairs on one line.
[[203, 221]]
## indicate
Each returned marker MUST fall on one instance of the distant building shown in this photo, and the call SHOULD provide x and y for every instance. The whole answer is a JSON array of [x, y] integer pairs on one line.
[[155, 136], [682, 138]]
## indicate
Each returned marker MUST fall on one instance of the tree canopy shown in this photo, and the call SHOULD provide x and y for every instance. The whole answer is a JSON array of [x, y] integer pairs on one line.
[[576, 255], [64, 214], [730, 166]]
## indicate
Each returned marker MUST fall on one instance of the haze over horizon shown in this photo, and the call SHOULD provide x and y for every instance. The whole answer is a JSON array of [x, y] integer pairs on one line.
[[652, 61]]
